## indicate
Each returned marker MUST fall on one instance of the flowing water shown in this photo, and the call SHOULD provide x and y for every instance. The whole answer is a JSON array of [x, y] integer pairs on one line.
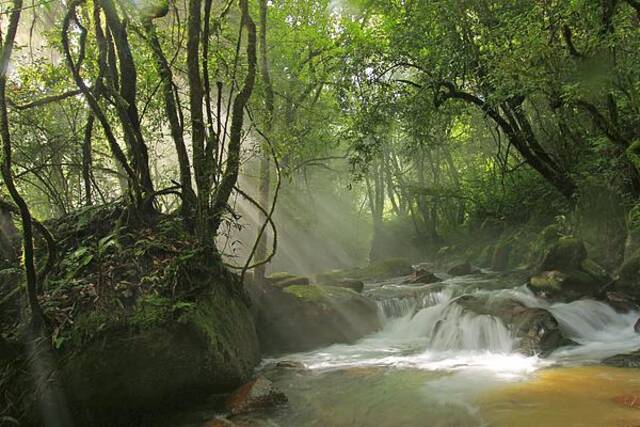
[[433, 364]]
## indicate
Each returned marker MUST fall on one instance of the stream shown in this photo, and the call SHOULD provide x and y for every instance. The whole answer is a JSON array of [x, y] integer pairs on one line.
[[435, 365]]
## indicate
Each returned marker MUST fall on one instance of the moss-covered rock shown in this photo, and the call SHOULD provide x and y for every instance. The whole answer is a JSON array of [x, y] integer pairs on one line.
[[422, 276], [213, 348], [463, 269], [141, 319], [567, 254], [385, 269], [353, 284], [283, 279], [566, 274], [301, 318], [565, 285], [628, 277]]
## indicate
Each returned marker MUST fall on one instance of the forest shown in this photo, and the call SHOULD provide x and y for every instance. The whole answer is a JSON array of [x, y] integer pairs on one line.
[[320, 213]]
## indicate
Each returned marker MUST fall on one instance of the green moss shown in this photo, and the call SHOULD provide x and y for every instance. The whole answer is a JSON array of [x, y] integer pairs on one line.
[[280, 275], [385, 269], [86, 327], [151, 310], [283, 279], [319, 293], [595, 270]]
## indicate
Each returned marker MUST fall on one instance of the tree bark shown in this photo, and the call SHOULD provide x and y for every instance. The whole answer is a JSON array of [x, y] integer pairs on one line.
[[171, 109], [230, 176], [37, 315], [87, 155], [265, 164]]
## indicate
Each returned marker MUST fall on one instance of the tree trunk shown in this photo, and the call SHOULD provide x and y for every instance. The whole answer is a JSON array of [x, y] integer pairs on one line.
[[265, 164], [171, 109], [87, 154], [37, 315]]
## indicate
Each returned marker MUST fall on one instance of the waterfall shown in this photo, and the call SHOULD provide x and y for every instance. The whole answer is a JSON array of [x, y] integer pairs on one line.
[[445, 325], [598, 328], [399, 301], [459, 330]]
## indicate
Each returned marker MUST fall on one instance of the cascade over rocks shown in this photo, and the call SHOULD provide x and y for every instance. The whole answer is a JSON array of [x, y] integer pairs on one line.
[[301, 318], [536, 330]]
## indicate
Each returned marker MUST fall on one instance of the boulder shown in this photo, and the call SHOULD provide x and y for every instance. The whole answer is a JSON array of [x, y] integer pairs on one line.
[[629, 360], [620, 301], [566, 274], [124, 374], [463, 269], [628, 277], [301, 318], [566, 255], [564, 286], [536, 330], [284, 279], [257, 395], [423, 276], [378, 270], [353, 284]]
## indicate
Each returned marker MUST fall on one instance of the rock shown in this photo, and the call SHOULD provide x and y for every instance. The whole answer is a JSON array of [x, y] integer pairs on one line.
[[463, 269], [620, 301], [125, 374], [301, 318], [566, 274], [423, 276], [353, 284], [256, 395], [290, 364], [564, 286], [629, 360], [379, 270], [628, 277], [566, 255], [636, 326], [283, 279], [537, 331]]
